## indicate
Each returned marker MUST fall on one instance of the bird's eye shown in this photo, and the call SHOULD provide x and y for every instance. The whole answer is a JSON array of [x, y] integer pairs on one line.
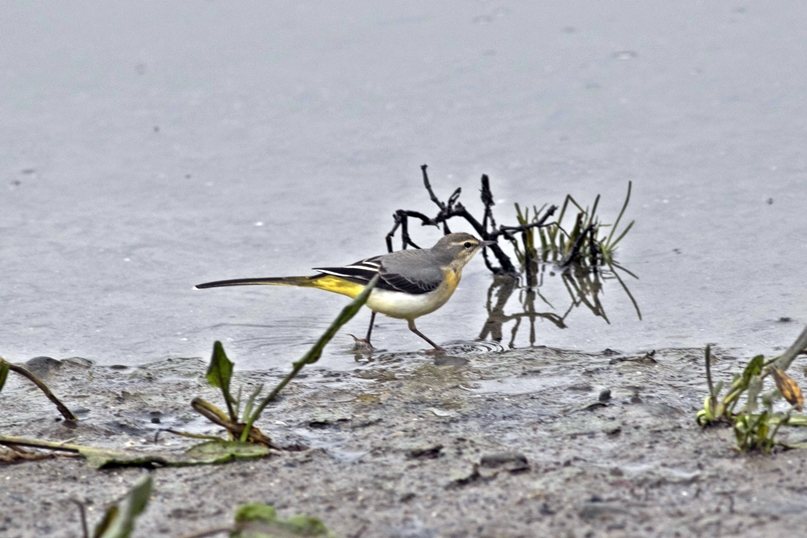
[[467, 244]]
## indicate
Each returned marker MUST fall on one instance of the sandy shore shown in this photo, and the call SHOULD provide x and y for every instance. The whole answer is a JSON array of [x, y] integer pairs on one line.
[[515, 443]]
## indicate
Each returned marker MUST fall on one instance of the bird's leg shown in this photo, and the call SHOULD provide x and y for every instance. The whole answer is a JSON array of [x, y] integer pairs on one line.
[[417, 332], [370, 328], [364, 344]]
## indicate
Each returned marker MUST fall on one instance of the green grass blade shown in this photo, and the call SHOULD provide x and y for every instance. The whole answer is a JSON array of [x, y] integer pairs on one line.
[[625, 287], [615, 265], [119, 520], [593, 210], [315, 352], [519, 217], [621, 212], [578, 206], [251, 400], [553, 231], [612, 246]]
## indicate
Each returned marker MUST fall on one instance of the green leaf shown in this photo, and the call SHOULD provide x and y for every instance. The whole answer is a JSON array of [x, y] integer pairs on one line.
[[249, 513], [104, 458], [258, 520], [306, 526], [223, 452], [754, 388], [119, 520], [4, 368], [761, 427], [707, 414], [207, 453], [754, 368], [220, 370], [219, 374]]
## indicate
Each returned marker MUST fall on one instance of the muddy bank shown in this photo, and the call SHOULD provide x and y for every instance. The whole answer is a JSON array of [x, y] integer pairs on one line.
[[480, 442]]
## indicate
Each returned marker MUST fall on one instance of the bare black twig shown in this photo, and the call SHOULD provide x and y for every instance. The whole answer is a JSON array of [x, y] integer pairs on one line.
[[596, 253], [486, 229], [584, 258], [574, 253]]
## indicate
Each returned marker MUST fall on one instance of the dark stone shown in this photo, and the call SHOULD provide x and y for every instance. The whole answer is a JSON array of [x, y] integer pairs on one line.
[[513, 460], [424, 453], [600, 510], [42, 366]]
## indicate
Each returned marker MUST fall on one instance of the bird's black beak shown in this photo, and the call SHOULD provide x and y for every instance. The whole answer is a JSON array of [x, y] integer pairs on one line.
[[488, 243]]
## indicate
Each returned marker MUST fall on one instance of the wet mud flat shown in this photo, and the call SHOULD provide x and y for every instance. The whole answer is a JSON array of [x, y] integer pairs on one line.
[[537, 442]]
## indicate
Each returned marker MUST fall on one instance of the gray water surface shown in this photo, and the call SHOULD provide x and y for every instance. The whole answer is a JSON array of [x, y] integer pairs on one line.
[[148, 147]]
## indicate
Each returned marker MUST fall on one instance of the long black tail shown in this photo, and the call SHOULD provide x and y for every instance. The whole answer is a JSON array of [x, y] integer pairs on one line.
[[300, 281]]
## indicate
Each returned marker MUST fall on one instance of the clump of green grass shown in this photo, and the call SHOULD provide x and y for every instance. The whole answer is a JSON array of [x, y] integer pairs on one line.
[[757, 422], [585, 243], [583, 254]]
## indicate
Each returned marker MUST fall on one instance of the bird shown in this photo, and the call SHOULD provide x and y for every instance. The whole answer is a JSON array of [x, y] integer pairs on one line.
[[411, 284]]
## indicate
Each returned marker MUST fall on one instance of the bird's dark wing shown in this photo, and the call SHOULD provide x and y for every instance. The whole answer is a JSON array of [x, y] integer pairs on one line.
[[360, 272], [397, 282]]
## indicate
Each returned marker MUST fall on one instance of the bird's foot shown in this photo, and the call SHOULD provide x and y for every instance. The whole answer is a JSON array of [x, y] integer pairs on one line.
[[361, 345]]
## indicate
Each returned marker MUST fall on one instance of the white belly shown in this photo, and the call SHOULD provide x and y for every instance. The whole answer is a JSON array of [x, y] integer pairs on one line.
[[401, 305]]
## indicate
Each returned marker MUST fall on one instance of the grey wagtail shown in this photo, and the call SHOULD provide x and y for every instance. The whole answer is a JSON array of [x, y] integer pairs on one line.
[[412, 283]]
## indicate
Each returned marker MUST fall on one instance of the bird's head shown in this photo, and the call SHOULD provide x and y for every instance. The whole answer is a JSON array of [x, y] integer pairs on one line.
[[457, 249]]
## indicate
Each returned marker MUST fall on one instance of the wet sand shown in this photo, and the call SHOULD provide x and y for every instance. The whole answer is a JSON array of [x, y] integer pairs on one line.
[[416, 446]]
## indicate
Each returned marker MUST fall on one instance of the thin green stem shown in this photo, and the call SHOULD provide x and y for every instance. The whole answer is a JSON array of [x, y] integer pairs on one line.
[[784, 360], [314, 353], [619, 217], [66, 413]]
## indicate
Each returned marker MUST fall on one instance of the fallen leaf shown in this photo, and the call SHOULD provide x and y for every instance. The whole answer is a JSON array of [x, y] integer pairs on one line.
[[788, 387]]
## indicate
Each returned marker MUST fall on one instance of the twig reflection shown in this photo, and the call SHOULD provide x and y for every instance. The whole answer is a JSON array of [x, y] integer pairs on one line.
[[584, 287]]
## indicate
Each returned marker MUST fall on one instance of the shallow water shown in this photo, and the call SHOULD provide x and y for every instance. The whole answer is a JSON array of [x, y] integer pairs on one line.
[[151, 147]]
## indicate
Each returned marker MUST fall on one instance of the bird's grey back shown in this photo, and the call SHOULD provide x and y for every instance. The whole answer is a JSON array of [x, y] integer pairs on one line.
[[415, 265]]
